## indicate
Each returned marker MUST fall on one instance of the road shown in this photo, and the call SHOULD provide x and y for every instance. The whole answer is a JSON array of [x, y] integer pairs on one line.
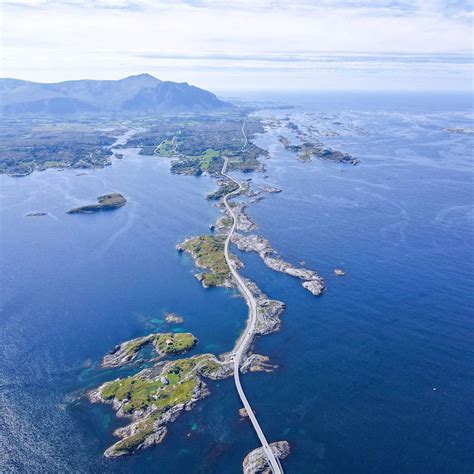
[[244, 341]]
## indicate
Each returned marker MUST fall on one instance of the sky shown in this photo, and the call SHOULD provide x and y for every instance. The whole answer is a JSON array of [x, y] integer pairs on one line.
[[298, 45]]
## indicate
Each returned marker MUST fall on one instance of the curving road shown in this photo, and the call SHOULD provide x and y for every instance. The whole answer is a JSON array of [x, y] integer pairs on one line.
[[245, 340]]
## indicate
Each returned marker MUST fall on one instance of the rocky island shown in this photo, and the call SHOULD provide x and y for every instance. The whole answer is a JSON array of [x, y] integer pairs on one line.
[[256, 243], [164, 344], [107, 202], [36, 214], [155, 397], [307, 150], [173, 318], [256, 462]]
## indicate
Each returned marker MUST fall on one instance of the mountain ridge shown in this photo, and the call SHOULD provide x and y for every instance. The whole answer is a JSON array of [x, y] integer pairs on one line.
[[141, 93]]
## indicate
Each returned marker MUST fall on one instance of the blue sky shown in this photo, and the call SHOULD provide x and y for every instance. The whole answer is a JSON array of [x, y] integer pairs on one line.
[[242, 44]]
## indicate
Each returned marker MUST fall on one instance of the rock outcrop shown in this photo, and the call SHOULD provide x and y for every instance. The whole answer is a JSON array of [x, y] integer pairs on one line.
[[256, 243], [256, 462]]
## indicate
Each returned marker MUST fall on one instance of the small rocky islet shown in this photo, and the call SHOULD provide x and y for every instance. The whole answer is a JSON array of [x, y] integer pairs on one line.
[[173, 318], [107, 202], [36, 214]]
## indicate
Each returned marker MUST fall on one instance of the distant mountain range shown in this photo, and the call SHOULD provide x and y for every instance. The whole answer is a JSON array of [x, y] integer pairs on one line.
[[142, 93]]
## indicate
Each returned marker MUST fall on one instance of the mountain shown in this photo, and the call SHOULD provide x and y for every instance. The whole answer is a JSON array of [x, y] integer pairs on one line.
[[142, 93], [173, 96]]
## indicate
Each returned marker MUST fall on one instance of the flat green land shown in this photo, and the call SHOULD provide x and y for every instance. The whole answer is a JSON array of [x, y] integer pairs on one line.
[[207, 158], [208, 252], [174, 343], [166, 148], [167, 343]]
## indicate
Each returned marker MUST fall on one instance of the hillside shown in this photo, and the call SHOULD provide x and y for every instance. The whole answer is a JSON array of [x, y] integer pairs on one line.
[[142, 93]]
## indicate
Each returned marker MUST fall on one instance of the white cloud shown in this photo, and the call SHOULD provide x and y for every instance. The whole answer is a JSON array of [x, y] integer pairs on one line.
[[216, 45]]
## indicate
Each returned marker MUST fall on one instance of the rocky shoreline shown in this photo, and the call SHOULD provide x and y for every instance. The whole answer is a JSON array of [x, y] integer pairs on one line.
[[155, 396], [256, 462], [255, 243], [107, 202], [163, 344]]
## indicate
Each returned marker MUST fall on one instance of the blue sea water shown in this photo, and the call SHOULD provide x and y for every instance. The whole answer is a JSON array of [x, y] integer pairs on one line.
[[374, 376]]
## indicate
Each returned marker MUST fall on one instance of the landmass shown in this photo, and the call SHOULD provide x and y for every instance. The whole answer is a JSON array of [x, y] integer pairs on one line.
[[157, 394], [107, 202], [208, 253], [38, 144], [255, 243], [463, 130], [257, 463], [155, 397], [199, 145], [307, 150], [164, 344], [36, 214], [195, 144], [271, 189]]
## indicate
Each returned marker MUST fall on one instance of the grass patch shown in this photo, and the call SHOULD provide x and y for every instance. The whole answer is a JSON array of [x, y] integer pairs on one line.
[[207, 158], [208, 252], [166, 148], [171, 343]]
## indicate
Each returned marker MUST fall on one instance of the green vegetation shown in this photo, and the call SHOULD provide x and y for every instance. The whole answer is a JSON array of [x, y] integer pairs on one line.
[[151, 393], [137, 390], [207, 158], [224, 188], [31, 144], [166, 148], [200, 142], [209, 367], [108, 202], [129, 443], [305, 152], [208, 252], [132, 347], [210, 161], [165, 343], [171, 343], [203, 141], [166, 398]]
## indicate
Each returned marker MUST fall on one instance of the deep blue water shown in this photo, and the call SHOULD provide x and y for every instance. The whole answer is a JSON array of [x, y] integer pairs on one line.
[[375, 376]]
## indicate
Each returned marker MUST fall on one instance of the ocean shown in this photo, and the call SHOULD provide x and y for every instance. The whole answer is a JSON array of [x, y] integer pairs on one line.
[[376, 375]]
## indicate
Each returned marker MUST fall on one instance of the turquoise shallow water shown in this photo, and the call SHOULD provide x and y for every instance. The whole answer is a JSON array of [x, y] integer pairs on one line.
[[358, 366]]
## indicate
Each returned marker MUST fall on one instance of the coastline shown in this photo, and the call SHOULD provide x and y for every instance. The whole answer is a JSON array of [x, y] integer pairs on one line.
[[209, 253]]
